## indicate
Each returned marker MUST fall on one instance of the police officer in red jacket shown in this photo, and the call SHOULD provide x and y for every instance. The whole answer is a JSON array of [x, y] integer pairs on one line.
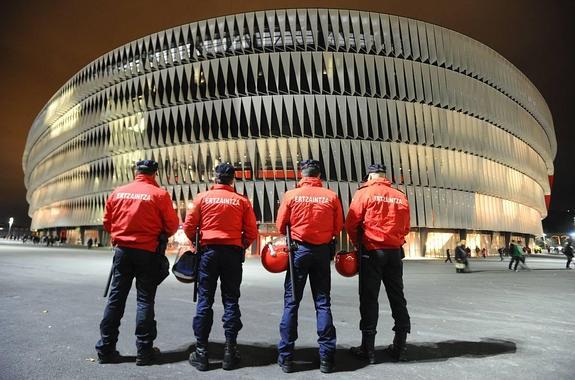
[[315, 216], [136, 214], [228, 225], [382, 214]]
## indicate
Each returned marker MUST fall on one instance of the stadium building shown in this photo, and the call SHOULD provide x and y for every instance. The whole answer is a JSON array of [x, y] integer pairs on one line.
[[463, 133]]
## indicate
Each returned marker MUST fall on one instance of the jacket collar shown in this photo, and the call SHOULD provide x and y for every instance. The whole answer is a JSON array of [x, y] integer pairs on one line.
[[146, 179], [377, 181], [310, 181], [221, 186]]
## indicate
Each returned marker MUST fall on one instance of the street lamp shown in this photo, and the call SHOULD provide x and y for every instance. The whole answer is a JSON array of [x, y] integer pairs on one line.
[[10, 222]]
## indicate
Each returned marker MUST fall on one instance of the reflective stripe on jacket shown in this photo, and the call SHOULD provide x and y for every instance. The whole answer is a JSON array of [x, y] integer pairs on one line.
[[383, 214], [222, 215], [138, 212], [313, 212]]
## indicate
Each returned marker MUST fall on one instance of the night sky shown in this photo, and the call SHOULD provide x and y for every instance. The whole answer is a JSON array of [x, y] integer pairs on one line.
[[43, 43]]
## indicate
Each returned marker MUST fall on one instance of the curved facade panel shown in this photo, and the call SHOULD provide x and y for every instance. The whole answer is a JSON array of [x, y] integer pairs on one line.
[[464, 134]]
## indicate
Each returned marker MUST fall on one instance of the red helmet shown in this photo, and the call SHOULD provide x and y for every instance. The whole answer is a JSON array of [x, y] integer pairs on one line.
[[275, 255], [346, 263]]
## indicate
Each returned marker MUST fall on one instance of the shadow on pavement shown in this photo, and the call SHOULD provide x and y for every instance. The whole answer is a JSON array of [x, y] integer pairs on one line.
[[441, 351], [512, 271], [306, 358]]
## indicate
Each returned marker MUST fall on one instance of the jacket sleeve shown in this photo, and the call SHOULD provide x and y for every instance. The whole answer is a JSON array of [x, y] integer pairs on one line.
[[284, 214], [338, 219], [107, 220], [193, 219], [170, 219], [354, 218], [249, 225]]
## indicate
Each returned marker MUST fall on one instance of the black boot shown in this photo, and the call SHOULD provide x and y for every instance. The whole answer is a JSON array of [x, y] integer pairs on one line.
[[398, 350], [286, 365], [148, 357], [109, 358], [199, 358], [367, 349], [326, 365], [231, 356]]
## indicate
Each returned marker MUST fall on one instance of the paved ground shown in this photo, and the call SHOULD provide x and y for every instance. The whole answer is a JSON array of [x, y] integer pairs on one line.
[[489, 324]]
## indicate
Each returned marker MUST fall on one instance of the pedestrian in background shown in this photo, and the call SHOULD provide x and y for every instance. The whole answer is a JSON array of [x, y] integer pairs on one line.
[[515, 253], [315, 216], [228, 226], [461, 257], [135, 216], [448, 257], [381, 213], [568, 251]]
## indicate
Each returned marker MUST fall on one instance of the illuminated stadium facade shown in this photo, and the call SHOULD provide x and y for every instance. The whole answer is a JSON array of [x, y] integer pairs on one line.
[[463, 133]]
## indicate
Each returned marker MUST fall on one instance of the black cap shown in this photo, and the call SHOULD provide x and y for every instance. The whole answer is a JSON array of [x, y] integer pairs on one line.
[[376, 168], [225, 170], [305, 164], [147, 166]]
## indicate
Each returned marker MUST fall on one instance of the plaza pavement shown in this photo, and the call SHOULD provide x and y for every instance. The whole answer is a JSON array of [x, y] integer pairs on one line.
[[489, 324]]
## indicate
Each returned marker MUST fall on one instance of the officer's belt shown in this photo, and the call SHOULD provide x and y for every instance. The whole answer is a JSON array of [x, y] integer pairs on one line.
[[219, 246], [384, 250], [310, 244]]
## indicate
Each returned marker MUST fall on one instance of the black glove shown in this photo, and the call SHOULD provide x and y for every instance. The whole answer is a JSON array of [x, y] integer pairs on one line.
[[163, 268], [162, 243], [332, 246]]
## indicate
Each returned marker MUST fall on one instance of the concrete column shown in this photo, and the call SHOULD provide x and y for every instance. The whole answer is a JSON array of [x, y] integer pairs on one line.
[[422, 241], [490, 243], [507, 236], [100, 235]]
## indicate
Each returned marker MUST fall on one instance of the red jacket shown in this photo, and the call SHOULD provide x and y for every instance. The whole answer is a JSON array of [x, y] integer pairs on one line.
[[138, 212], [383, 214], [313, 212], [222, 215]]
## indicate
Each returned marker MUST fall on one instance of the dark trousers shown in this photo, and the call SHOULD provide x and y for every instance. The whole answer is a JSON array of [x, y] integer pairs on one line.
[[223, 262], [312, 260], [383, 265], [448, 259], [569, 258], [516, 260], [129, 264]]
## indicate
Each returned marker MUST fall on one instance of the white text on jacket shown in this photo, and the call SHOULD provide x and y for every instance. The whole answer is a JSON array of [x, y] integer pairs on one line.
[[383, 198], [309, 199], [223, 201], [143, 197]]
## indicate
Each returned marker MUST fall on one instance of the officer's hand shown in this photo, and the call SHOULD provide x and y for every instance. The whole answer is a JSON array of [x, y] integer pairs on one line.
[[332, 247], [331, 254]]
